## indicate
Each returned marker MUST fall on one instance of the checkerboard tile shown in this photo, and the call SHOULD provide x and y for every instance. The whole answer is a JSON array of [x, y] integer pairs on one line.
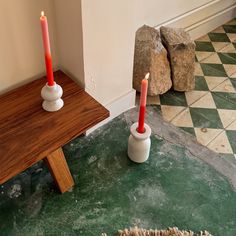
[[221, 144], [203, 55], [212, 59], [224, 100], [198, 69], [214, 81], [227, 58], [232, 37], [204, 46], [201, 84], [229, 28], [170, 112], [209, 112], [173, 98], [231, 134], [211, 69], [183, 119], [204, 38], [233, 82], [225, 86], [218, 30], [205, 118], [205, 135], [232, 126], [188, 130], [230, 48], [218, 46], [205, 101], [227, 117], [230, 70], [193, 96], [219, 37]]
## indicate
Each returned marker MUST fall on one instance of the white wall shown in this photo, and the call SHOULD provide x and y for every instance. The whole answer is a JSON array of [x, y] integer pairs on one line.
[[94, 40], [109, 29], [108, 38], [155, 12], [21, 48], [70, 38]]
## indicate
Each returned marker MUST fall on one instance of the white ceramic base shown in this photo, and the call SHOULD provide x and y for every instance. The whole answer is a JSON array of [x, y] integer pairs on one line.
[[139, 144], [52, 97]]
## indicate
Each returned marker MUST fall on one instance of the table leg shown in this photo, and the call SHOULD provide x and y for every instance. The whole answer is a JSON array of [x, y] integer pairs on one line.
[[59, 170]]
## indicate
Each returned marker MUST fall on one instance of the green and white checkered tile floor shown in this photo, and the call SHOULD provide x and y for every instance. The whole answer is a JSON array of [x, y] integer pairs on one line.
[[209, 112]]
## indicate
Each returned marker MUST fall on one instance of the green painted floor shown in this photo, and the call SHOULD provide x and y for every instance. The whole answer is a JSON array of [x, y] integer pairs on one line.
[[172, 188]]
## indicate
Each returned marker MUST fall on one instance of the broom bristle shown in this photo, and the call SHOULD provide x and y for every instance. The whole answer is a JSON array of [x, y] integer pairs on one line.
[[168, 232]]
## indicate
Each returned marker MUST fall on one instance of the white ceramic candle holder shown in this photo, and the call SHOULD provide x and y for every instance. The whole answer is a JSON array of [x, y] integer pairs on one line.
[[52, 97], [139, 143]]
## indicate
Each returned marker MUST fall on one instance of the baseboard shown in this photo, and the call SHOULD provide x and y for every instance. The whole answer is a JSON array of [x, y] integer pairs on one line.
[[212, 22], [117, 107], [205, 18]]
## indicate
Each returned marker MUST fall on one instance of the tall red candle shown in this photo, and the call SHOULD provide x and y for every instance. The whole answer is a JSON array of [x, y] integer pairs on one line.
[[142, 108], [47, 50]]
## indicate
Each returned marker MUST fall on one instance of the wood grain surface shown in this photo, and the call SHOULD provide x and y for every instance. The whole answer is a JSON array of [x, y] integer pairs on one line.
[[58, 167], [28, 133]]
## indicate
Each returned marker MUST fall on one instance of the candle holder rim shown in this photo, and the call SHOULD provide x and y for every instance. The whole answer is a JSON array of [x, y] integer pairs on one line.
[[48, 86], [140, 136]]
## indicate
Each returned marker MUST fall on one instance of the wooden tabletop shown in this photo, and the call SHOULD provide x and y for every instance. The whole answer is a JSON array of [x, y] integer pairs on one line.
[[28, 133]]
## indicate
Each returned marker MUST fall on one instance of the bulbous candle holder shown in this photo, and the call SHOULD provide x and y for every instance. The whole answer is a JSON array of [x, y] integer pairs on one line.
[[139, 143], [52, 97]]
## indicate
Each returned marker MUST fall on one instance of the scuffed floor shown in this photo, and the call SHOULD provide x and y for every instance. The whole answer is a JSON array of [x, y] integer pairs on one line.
[[173, 188]]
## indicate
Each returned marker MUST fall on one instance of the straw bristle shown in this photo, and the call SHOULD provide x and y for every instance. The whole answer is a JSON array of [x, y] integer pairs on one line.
[[169, 232]]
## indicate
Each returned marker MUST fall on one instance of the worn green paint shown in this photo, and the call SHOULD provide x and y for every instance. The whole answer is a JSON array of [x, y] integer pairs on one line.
[[201, 84], [229, 157], [230, 28], [218, 37], [171, 189], [205, 118], [173, 98], [204, 46], [227, 58], [233, 81], [224, 100], [188, 130], [232, 138], [213, 69]]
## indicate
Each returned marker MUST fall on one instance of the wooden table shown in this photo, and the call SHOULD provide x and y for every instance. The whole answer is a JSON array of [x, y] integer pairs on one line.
[[29, 134]]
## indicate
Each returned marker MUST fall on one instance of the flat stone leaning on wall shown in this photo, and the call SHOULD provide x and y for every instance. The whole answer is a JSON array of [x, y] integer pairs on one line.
[[181, 53], [170, 64], [151, 56]]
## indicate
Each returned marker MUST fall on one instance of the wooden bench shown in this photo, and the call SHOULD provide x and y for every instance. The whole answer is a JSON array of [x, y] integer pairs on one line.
[[29, 134]]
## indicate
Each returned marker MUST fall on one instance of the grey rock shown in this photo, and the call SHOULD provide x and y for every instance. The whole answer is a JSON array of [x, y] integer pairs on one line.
[[151, 56], [181, 52]]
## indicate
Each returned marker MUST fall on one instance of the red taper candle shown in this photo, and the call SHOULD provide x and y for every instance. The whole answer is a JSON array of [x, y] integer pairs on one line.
[[47, 50], [143, 100]]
